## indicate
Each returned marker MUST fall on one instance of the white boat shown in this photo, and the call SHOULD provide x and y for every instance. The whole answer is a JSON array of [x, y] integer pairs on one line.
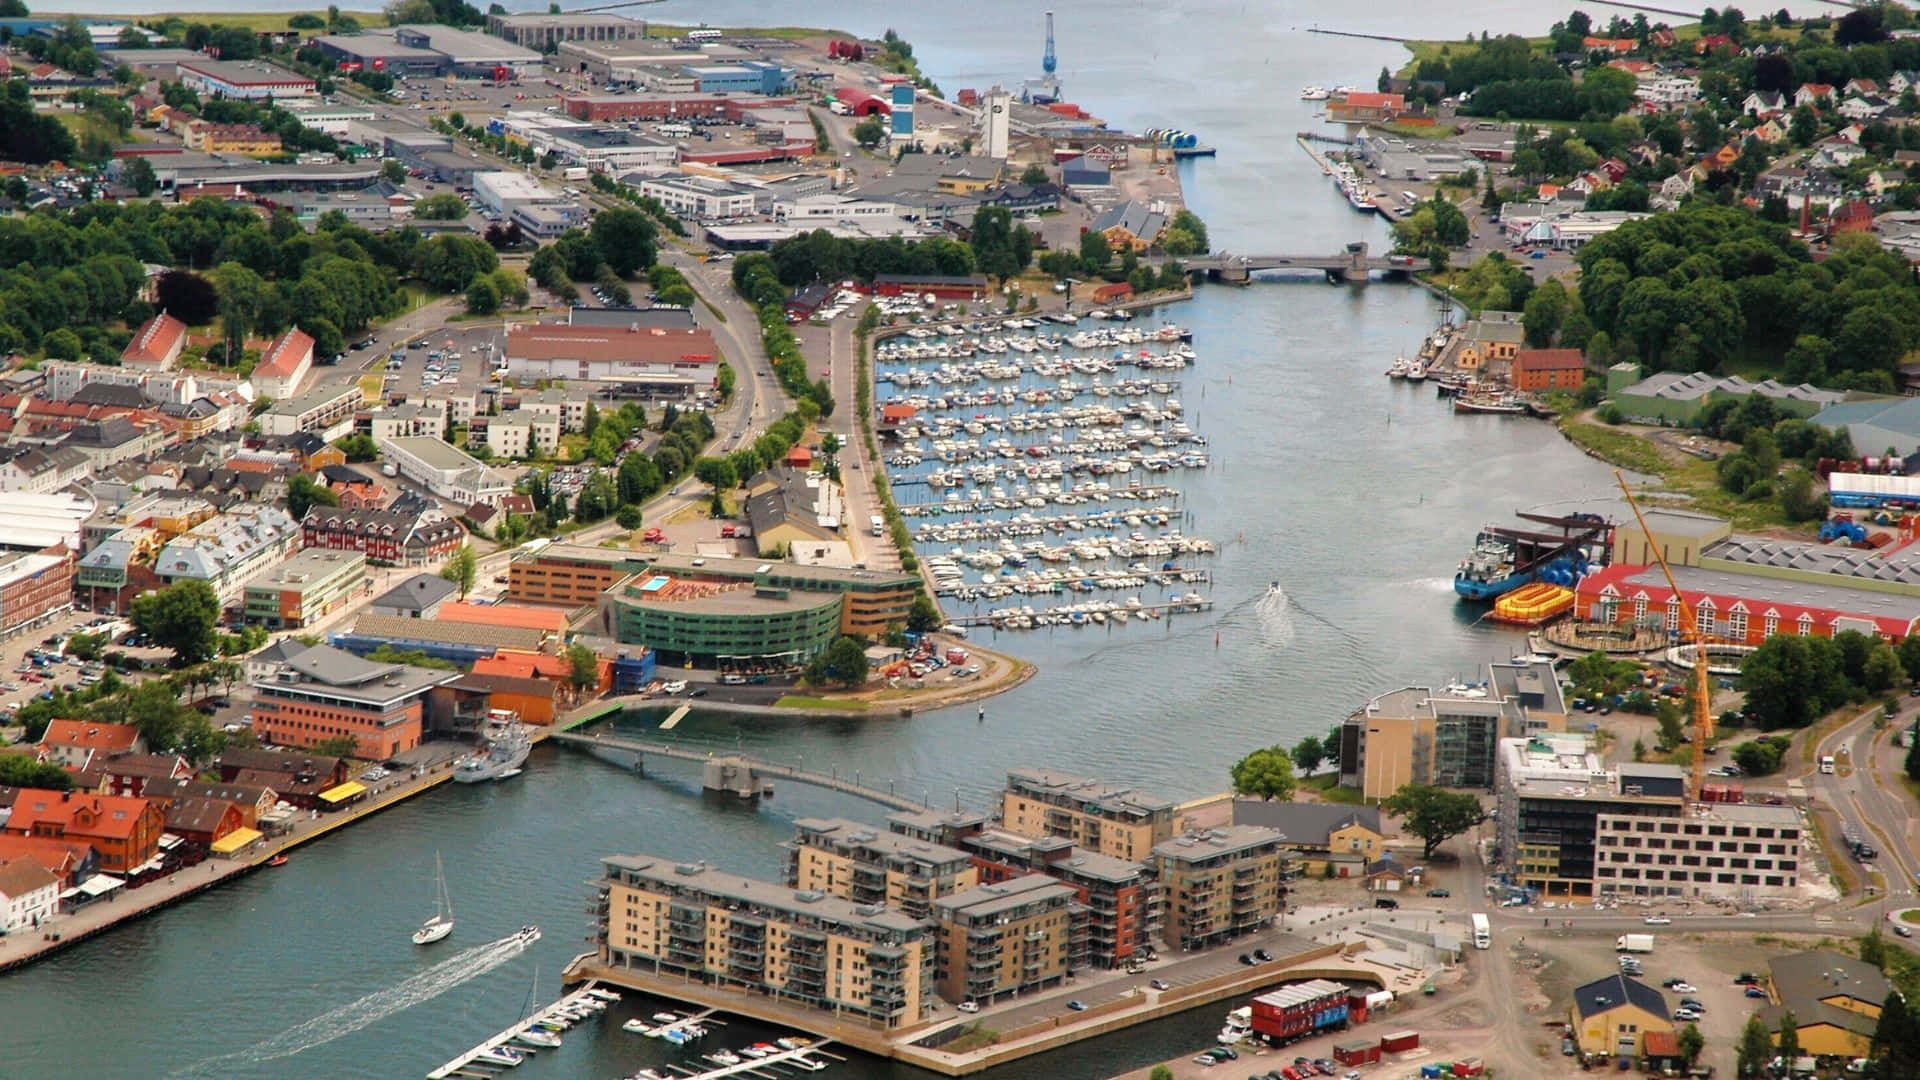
[[1416, 371], [440, 924], [545, 1040], [603, 995], [528, 935], [500, 1055], [637, 1026], [807, 1063], [665, 1017], [724, 1057], [1398, 369]]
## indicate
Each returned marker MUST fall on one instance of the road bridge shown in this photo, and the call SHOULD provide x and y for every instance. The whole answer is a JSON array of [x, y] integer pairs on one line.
[[739, 774], [1353, 265]]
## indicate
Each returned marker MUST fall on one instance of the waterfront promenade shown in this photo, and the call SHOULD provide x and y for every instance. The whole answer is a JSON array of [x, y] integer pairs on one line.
[[124, 905]]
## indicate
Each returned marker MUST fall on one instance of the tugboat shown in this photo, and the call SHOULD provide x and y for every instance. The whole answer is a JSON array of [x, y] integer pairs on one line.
[[507, 750]]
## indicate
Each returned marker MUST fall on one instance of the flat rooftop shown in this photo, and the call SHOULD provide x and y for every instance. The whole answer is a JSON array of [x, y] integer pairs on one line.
[[308, 567], [986, 901], [1225, 840], [702, 878], [824, 577], [243, 72], [1113, 798], [842, 832], [436, 453]]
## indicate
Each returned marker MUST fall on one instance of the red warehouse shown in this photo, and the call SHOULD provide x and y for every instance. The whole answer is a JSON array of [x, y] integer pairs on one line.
[[861, 103], [944, 288], [1299, 1009], [1400, 1042], [1744, 609]]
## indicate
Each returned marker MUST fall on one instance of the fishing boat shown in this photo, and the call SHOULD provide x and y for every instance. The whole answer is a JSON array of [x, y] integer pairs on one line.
[[277, 860], [440, 923], [1416, 371], [1397, 369], [1498, 405]]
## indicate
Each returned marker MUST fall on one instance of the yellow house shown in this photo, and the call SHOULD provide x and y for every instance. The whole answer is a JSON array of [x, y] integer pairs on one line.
[[1320, 835], [1835, 1001], [1611, 1017], [1490, 341], [230, 138]]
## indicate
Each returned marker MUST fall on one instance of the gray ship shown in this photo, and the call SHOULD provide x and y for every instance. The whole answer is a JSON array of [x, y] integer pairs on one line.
[[506, 752]]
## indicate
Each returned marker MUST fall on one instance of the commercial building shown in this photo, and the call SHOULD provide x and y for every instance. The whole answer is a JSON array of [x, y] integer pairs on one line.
[[788, 507], [722, 623], [545, 32], [1220, 884], [1612, 1017], [1535, 370], [125, 830], [825, 209], [379, 51], [323, 693], [228, 550], [403, 535], [37, 521], [209, 137], [700, 196], [1554, 790], [1419, 735], [505, 192], [1877, 425], [1677, 398], [1751, 605], [469, 53], [673, 105], [307, 587], [1130, 226], [1720, 849], [462, 643], [1835, 1000], [652, 359], [743, 77], [613, 150], [1015, 936], [33, 587], [446, 472], [1119, 898], [325, 410], [250, 79], [863, 963], [1416, 160], [869, 866], [568, 575], [1107, 818]]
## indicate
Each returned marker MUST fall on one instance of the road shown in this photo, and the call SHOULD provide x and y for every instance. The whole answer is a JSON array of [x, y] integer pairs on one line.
[[1861, 794]]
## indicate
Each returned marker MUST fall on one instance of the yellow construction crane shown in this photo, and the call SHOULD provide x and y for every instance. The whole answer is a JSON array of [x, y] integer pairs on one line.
[[1690, 626]]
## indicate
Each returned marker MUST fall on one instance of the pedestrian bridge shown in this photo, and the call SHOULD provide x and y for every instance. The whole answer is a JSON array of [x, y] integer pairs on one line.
[[739, 774], [1353, 265]]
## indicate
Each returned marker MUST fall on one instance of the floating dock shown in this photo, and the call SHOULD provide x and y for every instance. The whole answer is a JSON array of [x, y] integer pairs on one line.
[[474, 1064]]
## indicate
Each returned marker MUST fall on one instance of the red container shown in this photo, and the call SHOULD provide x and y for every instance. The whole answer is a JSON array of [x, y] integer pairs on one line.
[[1469, 1067], [1400, 1040], [1357, 1052]]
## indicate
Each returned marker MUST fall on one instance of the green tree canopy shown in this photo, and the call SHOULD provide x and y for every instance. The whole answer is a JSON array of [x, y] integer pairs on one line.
[[1433, 814], [1266, 773], [461, 569], [844, 663], [181, 617]]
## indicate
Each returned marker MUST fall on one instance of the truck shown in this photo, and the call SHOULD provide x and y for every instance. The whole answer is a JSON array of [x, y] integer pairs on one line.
[[877, 526], [575, 172], [1633, 943]]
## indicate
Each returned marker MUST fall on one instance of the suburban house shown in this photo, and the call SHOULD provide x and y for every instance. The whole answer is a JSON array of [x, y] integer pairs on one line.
[[1612, 1017], [75, 744], [1320, 835], [124, 830]]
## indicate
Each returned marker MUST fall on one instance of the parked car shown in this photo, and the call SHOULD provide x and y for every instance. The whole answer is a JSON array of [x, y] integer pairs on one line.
[[968, 1007], [1159, 984], [1755, 992], [1657, 920], [1262, 955], [1247, 959], [1443, 893]]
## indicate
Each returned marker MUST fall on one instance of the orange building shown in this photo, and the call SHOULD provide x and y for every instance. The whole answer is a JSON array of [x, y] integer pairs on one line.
[[515, 616], [1549, 369], [536, 700], [124, 830], [324, 693], [568, 575]]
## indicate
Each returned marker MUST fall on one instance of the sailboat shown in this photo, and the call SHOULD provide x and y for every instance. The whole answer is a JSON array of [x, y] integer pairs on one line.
[[441, 924]]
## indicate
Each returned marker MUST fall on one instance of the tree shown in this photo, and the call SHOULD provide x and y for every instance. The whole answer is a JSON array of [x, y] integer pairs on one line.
[[923, 617], [1791, 680], [138, 174], [628, 517], [1896, 1039], [1691, 1044], [1545, 310], [1873, 948], [1035, 173], [869, 132], [1267, 773], [482, 297], [1308, 753], [243, 299], [1760, 757], [1433, 814], [23, 770], [393, 172], [186, 296], [1160, 1072], [340, 746], [627, 238], [445, 206], [181, 617], [1912, 763], [1095, 251], [303, 491], [586, 666], [461, 569], [1755, 1047], [843, 662], [1882, 670], [1787, 1041], [1667, 715]]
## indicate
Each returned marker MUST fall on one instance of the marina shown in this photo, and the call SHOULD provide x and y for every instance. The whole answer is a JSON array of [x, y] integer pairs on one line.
[[1030, 441]]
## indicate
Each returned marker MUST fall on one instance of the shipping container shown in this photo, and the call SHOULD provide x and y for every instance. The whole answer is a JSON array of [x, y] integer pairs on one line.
[[1469, 1067], [1357, 1052], [1299, 1009], [1400, 1041]]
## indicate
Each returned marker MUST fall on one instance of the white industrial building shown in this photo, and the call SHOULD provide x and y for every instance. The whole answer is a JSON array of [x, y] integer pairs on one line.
[[502, 191], [700, 196], [830, 209], [445, 471]]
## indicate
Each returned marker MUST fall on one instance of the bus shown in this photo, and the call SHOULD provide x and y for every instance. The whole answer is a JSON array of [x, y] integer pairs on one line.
[[703, 35], [1482, 932], [1826, 763]]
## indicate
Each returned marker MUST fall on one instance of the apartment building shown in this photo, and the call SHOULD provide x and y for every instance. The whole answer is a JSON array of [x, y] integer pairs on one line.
[[862, 962], [1420, 735], [1107, 818], [1220, 884], [570, 575], [1553, 792], [1120, 898], [1719, 849], [867, 866], [1002, 939], [228, 550]]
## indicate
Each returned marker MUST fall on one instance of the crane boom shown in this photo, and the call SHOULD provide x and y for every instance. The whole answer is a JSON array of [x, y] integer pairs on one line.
[[1690, 625]]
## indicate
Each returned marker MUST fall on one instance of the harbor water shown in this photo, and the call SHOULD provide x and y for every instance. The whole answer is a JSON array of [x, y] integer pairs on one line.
[[1355, 495]]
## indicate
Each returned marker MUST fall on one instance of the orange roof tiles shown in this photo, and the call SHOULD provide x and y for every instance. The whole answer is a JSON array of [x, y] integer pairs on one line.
[[283, 358], [521, 616], [156, 341], [89, 735], [520, 665], [72, 814]]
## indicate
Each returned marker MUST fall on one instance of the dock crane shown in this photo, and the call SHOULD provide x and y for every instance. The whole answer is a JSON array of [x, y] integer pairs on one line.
[[1689, 625]]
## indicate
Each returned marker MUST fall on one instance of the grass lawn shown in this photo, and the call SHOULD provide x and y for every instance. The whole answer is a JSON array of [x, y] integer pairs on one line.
[[802, 701], [1843, 879], [371, 386], [1329, 790], [1695, 480]]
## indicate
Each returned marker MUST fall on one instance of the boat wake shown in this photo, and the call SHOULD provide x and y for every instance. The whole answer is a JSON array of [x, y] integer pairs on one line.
[[1433, 584], [1274, 618], [351, 1017]]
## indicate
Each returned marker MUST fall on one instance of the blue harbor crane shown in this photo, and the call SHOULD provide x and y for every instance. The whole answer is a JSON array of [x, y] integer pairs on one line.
[[1047, 60]]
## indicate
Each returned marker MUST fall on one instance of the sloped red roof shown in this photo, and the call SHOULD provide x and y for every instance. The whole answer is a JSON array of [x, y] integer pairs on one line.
[[155, 341], [282, 358]]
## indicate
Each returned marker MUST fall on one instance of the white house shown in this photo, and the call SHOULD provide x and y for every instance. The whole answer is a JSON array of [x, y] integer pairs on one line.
[[1811, 93], [1763, 103], [284, 365], [1862, 108], [29, 895]]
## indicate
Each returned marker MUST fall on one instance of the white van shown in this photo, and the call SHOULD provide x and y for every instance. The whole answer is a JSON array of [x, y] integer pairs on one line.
[[878, 525]]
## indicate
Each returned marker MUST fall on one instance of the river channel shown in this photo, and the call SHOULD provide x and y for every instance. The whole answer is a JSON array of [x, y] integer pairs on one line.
[[1356, 495]]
